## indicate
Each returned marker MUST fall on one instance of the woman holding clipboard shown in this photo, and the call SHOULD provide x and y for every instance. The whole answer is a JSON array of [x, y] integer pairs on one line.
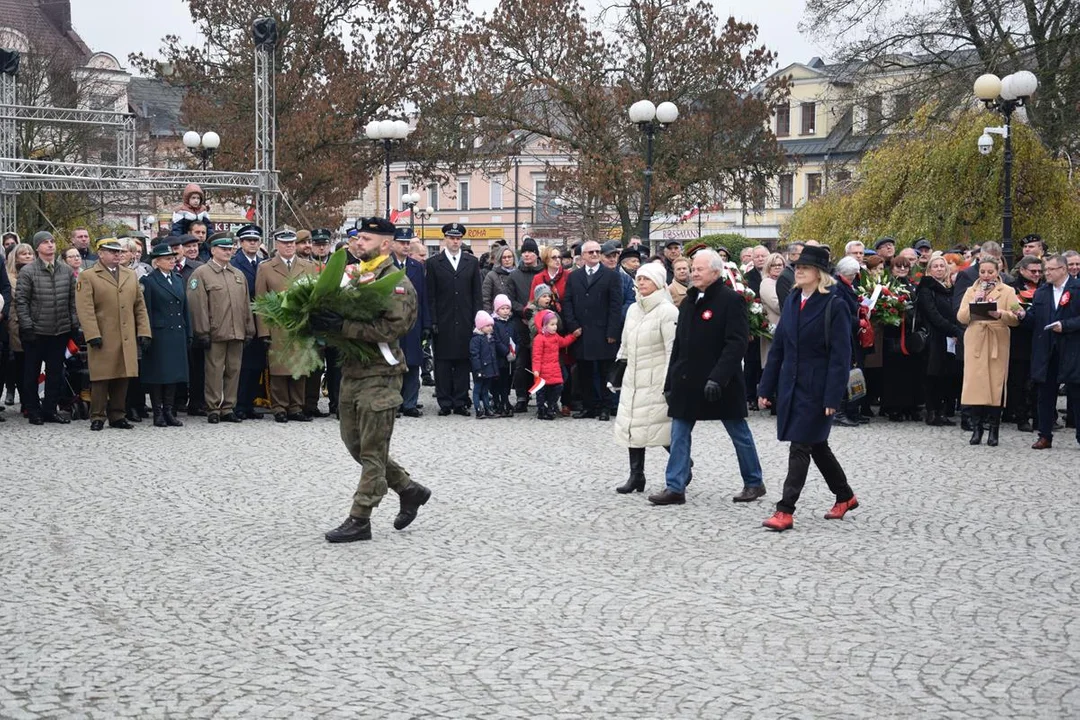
[[988, 311]]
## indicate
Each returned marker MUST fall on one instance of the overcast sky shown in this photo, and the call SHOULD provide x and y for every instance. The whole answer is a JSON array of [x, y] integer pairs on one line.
[[96, 22]]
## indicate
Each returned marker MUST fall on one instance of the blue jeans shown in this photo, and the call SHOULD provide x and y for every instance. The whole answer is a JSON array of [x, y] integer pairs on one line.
[[481, 393], [678, 467]]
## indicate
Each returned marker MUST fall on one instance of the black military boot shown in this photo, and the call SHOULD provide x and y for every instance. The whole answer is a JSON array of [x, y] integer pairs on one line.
[[978, 425], [170, 417], [412, 497], [995, 428], [636, 481], [351, 530]]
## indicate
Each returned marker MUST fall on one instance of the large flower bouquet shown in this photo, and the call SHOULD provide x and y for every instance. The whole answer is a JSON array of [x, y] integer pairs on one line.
[[350, 291], [755, 310], [893, 301]]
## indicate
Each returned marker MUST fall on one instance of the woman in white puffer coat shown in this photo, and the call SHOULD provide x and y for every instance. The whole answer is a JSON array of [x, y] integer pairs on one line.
[[647, 337]]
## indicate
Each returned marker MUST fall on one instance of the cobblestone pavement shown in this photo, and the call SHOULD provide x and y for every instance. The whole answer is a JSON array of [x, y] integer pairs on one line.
[[182, 573]]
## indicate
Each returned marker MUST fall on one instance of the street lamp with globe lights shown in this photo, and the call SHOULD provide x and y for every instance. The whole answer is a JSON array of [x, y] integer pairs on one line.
[[650, 119], [1004, 95], [202, 146], [387, 132], [424, 215], [410, 200]]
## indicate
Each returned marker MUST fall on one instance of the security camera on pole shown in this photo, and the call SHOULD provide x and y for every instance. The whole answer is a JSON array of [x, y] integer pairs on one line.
[[1004, 95]]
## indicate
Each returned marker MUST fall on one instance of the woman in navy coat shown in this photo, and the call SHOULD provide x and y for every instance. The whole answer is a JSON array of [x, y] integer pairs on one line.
[[807, 372], [164, 365]]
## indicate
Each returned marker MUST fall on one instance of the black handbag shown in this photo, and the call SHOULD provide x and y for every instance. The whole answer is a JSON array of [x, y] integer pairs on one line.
[[914, 342], [615, 375]]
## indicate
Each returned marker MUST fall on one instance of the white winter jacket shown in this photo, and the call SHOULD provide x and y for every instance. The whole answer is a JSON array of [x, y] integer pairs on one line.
[[647, 337]]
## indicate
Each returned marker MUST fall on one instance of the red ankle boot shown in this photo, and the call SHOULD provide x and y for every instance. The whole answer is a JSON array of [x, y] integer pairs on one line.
[[840, 509], [780, 521]]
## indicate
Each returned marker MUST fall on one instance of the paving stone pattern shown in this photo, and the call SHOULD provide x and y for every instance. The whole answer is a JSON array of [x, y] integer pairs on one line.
[[181, 573]]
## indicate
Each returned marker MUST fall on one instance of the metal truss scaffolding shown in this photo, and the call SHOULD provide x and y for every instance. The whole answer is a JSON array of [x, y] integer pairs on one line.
[[18, 175]]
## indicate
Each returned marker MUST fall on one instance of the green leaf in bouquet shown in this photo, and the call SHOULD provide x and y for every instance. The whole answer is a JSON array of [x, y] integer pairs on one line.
[[330, 277]]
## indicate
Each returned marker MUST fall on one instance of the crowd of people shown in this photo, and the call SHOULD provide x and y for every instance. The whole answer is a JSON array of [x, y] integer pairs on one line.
[[591, 331]]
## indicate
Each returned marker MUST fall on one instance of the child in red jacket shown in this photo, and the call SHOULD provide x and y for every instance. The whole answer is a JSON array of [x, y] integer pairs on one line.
[[546, 366]]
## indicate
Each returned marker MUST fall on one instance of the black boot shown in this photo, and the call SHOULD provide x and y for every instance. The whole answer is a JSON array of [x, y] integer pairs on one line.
[[978, 424], [170, 418], [351, 530], [636, 481], [411, 498], [159, 418], [995, 427]]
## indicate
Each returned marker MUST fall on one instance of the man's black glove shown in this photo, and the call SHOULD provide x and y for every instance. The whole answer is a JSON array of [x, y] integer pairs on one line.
[[201, 342], [326, 321], [527, 313], [95, 343], [144, 343], [712, 391], [27, 337]]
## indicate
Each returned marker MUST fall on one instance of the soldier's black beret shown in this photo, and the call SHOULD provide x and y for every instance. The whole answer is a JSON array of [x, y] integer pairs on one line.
[[376, 226]]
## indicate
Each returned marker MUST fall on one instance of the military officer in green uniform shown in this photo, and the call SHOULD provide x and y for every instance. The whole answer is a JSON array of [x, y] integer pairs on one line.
[[371, 392], [221, 323]]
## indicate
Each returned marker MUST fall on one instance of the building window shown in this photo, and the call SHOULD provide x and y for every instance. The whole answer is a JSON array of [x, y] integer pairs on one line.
[[787, 191], [813, 185], [463, 195], [783, 120], [433, 196], [873, 114], [902, 106], [843, 176], [809, 118], [496, 189], [403, 190]]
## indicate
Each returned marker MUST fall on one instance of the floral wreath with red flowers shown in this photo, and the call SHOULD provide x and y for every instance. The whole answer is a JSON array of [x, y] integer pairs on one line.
[[755, 310]]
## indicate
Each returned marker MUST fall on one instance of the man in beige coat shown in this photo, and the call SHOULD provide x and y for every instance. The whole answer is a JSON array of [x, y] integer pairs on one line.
[[109, 303], [286, 392], [221, 323]]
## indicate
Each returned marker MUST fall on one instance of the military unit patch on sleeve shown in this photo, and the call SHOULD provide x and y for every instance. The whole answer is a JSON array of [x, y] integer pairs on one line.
[[194, 283]]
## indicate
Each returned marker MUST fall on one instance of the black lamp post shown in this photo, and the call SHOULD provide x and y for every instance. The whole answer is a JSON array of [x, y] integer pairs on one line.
[[650, 119], [1004, 95], [202, 146], [387, 132]]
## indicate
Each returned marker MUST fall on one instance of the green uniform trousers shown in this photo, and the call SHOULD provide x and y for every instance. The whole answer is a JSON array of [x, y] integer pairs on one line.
[[367, 407]]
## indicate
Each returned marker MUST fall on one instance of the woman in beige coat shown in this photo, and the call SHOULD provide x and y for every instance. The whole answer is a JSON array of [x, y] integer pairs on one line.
[[986, 349], [647, 337], [774, 265]]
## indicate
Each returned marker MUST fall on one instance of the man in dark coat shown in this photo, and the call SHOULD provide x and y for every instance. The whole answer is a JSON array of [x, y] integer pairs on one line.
[[787, 277], [411, 343], [1054, 318], [521, 279], [454, 294], [593, 303], [247, 261], [189, 394], [705, 379]]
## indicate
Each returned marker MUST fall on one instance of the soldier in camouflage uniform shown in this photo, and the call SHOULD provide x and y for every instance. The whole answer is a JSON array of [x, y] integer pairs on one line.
[[371, 392]]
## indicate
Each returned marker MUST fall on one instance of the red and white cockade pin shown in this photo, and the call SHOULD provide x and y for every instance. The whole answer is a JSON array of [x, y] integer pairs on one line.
[[707, 315], [1064, 299]]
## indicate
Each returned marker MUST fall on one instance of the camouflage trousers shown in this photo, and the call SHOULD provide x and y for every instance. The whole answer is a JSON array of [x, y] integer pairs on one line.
[[367, 407]]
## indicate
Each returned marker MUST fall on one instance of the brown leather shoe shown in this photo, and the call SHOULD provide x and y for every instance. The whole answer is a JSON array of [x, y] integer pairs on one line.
[[749, 493], [1042, 444], [668, 498]]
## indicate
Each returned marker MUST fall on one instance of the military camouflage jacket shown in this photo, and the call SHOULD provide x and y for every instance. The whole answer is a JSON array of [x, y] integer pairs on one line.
[[389, 328]]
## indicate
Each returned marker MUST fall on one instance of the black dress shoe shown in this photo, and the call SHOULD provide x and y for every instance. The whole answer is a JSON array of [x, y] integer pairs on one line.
[[412, 497], [97, 425], [521, 406], [749, 493], [170, 418], [412, 412], [55, 418], [159, 420], [351, 530], [317, 413], [584, 414], [133, 416], [196, 412], [605, 415], [213, 418], [462, 411], [121, 424], [668, 498], [36, 420], [231, 417], [1025, 426], [444, 411], [419, 406], [843, 420], [254, 415], [299, 417], [281, 417]]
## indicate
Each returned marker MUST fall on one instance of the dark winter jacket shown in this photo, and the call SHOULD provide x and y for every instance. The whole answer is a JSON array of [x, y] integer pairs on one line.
[[1067, 342], [496, 282], [505, 341], [482, 355], [933, 304], [710, 341], [45, 301], [595, 306], [804, 375], [454, 298]]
